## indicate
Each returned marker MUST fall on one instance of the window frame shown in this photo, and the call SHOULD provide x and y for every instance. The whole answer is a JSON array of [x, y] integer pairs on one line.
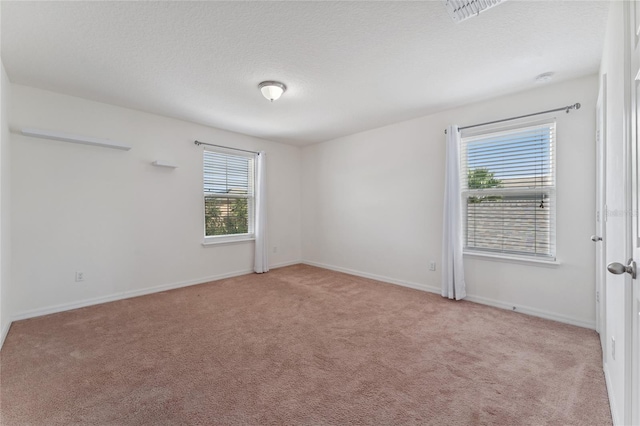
[[251, 207], [550, 192]]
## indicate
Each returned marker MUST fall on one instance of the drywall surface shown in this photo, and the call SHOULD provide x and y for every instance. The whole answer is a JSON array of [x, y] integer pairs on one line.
[[372, 205], [128, 226], [5, 208]]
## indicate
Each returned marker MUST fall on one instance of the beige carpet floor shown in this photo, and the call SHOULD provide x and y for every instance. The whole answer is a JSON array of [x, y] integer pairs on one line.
[[299, 345]]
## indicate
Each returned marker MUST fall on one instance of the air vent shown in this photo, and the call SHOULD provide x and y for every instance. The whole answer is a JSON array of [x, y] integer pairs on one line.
[[459, 10]]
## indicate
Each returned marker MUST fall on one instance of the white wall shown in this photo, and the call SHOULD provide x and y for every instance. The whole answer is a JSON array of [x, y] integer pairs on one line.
[[5, 208], [129, 226], [372, 205]]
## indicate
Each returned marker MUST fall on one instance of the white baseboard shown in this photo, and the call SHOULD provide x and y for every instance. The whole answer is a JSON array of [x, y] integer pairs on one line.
[[476, 299], [134, 293], [612, 402], [123, 295], [5, 331], [283, 264], [155, 289], [403, 283], [531, 311]]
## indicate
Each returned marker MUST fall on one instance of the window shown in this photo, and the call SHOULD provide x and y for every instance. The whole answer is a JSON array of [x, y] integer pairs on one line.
[[508, 192], [229, 199]]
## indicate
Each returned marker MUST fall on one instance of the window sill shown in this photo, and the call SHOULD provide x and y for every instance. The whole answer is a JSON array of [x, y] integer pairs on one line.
[[513, 259], [216, 241]]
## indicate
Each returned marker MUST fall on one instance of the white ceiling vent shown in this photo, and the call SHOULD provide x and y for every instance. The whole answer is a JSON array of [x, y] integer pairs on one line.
[[459, 10]]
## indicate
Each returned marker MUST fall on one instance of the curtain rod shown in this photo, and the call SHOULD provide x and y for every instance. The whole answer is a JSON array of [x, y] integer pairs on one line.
[[565, 109], [225, 147]]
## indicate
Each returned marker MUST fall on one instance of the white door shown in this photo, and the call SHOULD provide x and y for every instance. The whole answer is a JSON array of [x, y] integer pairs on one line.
[[622, 360], [617, 233], [633, 115], [617, 356], [618, 120]]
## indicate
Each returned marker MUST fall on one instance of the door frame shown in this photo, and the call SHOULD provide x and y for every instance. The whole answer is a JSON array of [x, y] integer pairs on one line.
[[631, 116], [600, 226]]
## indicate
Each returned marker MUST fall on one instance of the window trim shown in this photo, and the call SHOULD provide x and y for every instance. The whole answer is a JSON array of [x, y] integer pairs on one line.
[[503, 257], [213, 240], [517, 257]]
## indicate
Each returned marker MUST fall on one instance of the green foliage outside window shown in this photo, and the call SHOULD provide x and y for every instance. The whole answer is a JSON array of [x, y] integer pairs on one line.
[[482, 178], [226, 216]]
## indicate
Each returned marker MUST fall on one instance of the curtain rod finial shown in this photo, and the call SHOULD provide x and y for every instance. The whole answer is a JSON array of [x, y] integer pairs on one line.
[[575, 106]]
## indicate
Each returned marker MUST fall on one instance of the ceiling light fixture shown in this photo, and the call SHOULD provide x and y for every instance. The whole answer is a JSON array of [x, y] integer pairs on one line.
[[544, 77], [459, 10], [272, 90]]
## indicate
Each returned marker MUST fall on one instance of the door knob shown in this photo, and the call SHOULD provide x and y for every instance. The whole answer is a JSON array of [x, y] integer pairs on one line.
[[619, 268], [595, 238]]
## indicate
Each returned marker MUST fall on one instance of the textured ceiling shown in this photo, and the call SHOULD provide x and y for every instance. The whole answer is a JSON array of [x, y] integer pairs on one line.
[[349, 66]]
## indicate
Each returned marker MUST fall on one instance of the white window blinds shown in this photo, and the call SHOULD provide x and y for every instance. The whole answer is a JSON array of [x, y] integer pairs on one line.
[[228, 193], [508, 191]]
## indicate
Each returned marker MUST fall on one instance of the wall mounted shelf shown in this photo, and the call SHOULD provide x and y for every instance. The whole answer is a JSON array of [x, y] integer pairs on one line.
[[67, 137], [162, 163]]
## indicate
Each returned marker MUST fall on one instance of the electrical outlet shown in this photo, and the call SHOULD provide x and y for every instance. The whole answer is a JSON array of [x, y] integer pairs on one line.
[[79, 276], [598, 296], [613, 347], [432, 266], [275, 249]]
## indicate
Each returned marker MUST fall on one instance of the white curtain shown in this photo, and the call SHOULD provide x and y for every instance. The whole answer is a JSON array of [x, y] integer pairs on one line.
[[453, 285], [261, 258]]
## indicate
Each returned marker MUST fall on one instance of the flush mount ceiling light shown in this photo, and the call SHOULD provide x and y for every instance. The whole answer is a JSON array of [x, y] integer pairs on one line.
[[272, 90], [544, 77], [459, 10]]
